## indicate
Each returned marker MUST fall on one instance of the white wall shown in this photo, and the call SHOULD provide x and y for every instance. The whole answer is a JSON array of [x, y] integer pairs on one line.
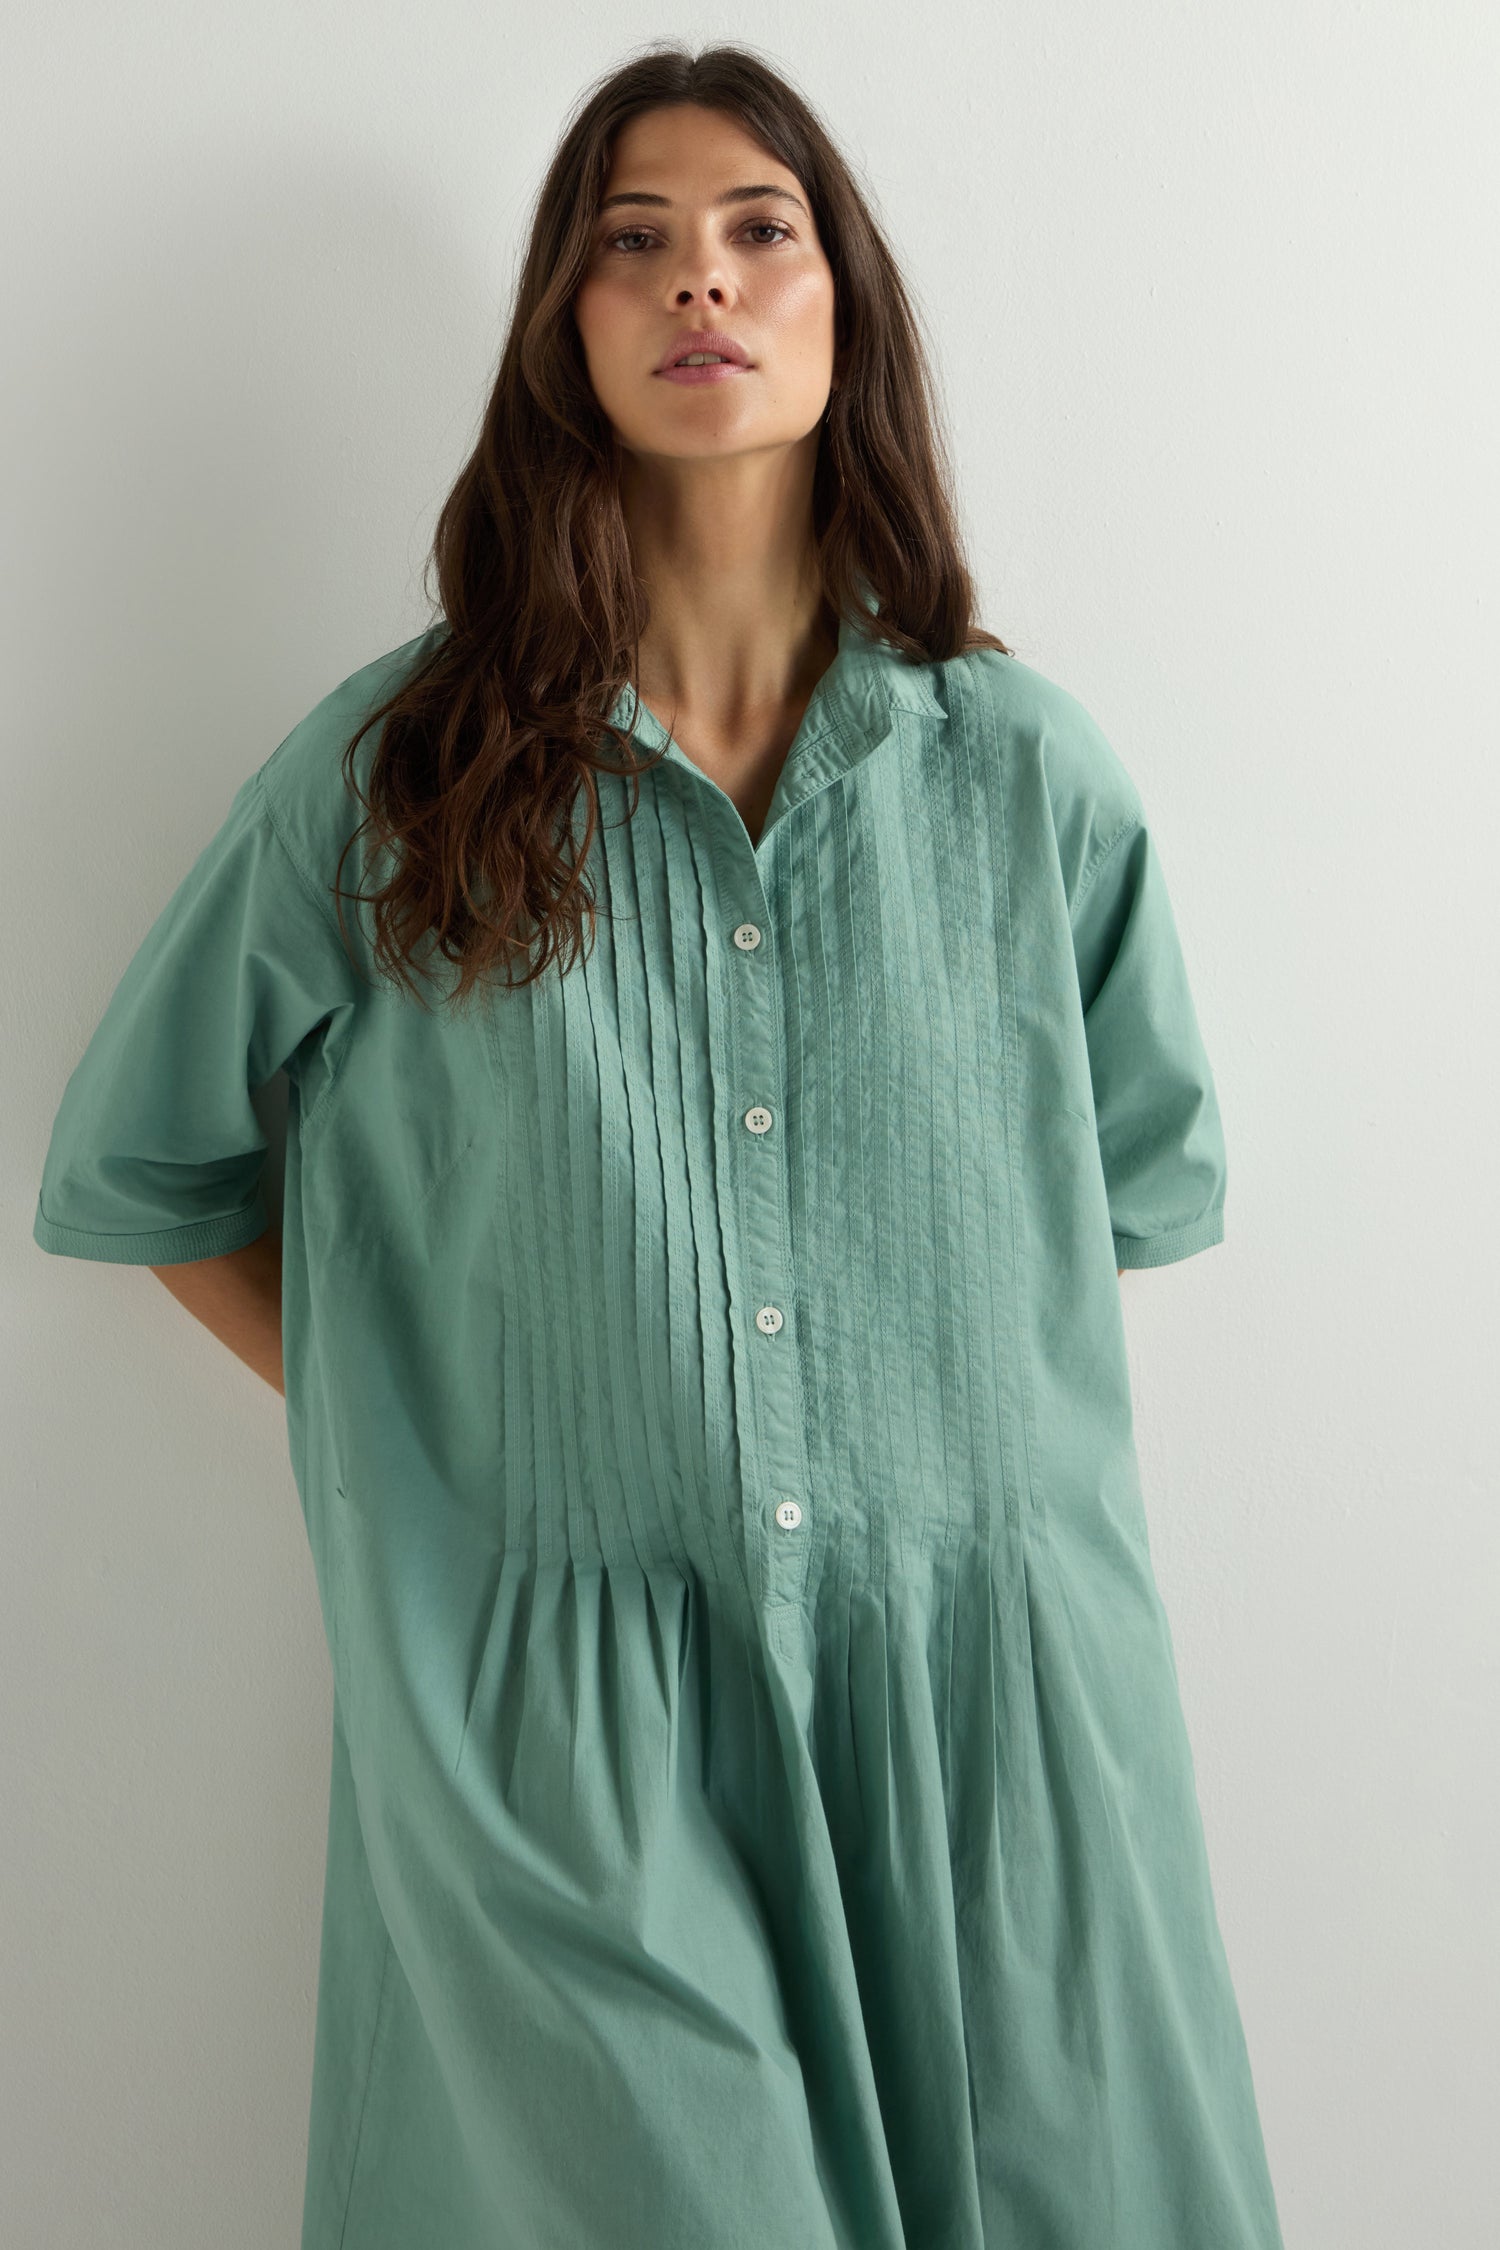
[[1213, 295]]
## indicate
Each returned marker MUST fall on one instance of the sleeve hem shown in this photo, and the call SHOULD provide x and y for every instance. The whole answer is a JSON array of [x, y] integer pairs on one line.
[[164, 1246], [1165, 1249]]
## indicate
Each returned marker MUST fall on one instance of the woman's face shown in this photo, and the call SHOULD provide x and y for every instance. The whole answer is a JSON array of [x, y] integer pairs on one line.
[[679, 245]]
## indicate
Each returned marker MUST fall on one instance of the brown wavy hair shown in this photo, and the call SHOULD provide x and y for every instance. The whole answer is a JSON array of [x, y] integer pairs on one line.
[[488, 742]]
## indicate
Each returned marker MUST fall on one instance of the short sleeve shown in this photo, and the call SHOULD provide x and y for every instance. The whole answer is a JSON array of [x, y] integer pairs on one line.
[[156, 1151], [1156, 1107]]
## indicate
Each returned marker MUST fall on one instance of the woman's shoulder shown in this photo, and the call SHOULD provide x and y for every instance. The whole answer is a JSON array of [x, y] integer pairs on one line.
[[1043, 732], [304, 783]]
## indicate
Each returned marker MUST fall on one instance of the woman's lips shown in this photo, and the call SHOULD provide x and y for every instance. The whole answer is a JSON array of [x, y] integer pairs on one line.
[[715, 372]]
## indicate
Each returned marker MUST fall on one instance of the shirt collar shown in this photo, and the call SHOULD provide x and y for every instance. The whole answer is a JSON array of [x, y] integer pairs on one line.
[[850, 713]]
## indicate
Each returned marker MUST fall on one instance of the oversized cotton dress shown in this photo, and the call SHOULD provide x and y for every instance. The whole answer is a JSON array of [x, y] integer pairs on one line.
[[761, 1815]]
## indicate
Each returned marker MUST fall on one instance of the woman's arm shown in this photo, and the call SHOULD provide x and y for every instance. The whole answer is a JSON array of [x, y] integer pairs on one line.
[[237, 1297]]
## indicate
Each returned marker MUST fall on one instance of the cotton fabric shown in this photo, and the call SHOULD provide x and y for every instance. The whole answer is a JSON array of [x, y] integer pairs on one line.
[[761, 1815]]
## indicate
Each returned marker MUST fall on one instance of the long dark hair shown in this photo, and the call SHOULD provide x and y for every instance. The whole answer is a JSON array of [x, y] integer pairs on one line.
[[487, 743]]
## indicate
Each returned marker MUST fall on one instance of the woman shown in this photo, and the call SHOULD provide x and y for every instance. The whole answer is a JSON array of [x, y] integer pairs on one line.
[[761, 1811]]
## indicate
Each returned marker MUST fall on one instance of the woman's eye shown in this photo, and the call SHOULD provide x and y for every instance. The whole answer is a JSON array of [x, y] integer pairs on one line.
[[626, 234]]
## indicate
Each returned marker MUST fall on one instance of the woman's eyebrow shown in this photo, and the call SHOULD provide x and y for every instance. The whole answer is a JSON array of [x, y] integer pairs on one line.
[[730, 195]]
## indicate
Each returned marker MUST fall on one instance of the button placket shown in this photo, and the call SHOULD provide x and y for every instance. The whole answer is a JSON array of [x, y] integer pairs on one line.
[[775, 1469]]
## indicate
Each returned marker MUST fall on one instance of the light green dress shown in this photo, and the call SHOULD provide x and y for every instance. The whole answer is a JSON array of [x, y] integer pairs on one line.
[[761, 1814]]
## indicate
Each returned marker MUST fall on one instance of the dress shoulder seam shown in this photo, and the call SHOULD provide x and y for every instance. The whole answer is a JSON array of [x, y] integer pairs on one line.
[[1102, 852], [307, 881]]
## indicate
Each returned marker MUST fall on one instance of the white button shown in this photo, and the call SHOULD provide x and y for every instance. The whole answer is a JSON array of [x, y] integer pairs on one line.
[[747, 937], [788, 1514], [758, 1119], [768, 1320]]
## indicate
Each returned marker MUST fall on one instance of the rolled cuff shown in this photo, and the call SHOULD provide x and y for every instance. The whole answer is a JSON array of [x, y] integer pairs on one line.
[[1165, 1249], [166, 1246]]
